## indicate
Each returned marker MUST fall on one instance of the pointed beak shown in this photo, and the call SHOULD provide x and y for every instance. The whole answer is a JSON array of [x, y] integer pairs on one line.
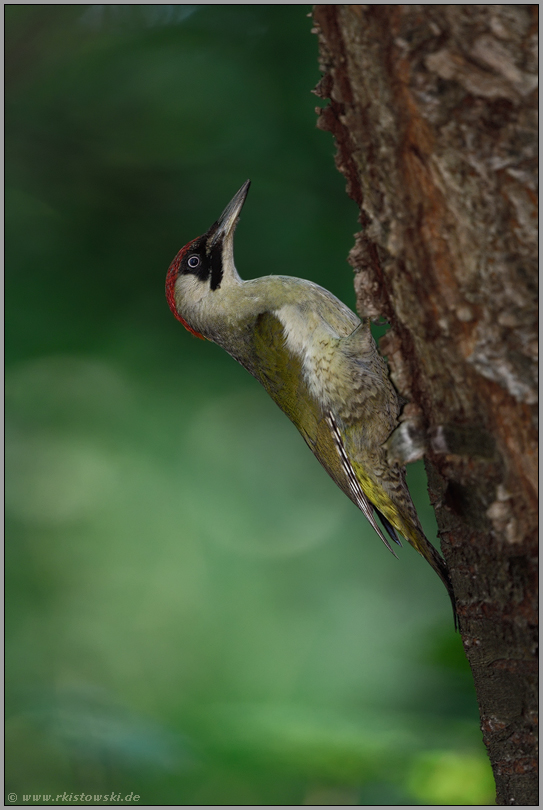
[[223, 229]]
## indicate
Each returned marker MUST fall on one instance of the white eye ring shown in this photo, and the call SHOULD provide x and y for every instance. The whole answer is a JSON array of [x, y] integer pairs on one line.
[[194, 261]]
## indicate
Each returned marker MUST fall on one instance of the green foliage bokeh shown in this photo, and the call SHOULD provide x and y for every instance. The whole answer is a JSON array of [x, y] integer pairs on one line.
[[194, 612]]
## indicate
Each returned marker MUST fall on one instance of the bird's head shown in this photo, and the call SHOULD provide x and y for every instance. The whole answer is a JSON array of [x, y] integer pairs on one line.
[[205, 264]]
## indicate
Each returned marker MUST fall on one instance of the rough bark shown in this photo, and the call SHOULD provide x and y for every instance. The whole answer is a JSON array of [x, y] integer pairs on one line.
[[433, 109]]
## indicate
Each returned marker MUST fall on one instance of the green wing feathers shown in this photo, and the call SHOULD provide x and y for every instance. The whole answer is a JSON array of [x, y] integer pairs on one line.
[[281, 374]]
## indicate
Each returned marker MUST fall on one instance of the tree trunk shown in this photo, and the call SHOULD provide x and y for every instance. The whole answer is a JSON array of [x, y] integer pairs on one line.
[[433, 108]]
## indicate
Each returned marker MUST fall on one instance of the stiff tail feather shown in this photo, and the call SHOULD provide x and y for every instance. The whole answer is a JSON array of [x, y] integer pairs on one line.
[[418, 540], [440, 567]]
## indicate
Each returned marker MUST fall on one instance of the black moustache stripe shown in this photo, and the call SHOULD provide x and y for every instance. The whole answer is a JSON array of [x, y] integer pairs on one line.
[[216, 265]]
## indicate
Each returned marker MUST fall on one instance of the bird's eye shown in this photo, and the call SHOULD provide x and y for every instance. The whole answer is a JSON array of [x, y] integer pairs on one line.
[[194, 261]]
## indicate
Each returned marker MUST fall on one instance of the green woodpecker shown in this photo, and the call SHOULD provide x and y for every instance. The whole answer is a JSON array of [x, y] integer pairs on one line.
[[316, 359]]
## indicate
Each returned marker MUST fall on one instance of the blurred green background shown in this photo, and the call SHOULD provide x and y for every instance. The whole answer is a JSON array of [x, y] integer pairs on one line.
[[195, 613]]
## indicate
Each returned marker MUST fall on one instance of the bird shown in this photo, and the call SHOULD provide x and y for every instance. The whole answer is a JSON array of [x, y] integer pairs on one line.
[[320, 364]]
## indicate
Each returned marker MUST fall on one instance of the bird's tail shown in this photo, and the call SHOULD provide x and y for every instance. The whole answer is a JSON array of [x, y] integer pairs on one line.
[[416, 537], [432, 556]]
